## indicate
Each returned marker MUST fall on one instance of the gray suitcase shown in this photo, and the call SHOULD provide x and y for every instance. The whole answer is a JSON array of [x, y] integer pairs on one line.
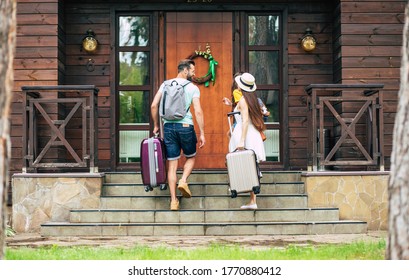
[[243, 171]]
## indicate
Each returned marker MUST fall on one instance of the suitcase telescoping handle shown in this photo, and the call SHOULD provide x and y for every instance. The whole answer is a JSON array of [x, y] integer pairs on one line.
[[156, 135], [153, 161], [156, 159], [228, 118], [233, 113]]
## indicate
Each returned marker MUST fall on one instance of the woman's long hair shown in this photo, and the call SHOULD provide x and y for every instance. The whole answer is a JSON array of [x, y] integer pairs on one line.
[[254, 110]]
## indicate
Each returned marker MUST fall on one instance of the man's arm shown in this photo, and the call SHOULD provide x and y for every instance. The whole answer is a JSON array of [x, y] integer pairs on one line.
[[155, 112], [200, 120]]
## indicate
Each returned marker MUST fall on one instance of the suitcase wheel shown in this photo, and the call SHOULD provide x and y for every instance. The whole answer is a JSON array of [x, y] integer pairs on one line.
[[163, 187], [148, 188], [233, 194], [256, 190]]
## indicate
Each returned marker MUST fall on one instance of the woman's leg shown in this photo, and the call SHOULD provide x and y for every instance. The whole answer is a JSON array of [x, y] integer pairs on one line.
[[252, 198]]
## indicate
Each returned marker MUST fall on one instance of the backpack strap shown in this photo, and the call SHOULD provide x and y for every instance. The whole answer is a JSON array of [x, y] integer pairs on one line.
[[183, 86], [188, 82], [170, 82]]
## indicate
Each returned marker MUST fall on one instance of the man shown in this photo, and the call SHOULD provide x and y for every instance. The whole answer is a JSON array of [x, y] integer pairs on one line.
[[180, 134]]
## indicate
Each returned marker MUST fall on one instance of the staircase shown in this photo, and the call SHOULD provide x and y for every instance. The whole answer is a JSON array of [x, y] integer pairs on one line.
[[126, 209]]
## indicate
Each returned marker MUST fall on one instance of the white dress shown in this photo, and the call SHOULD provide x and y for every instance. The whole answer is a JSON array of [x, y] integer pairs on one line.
[[253, 139]]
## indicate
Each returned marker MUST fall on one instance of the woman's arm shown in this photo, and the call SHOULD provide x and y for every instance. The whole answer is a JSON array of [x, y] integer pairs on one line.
[[226, 101], [244, 112]]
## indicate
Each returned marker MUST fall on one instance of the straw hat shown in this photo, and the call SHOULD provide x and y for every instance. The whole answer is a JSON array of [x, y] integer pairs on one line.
[[246, 82]]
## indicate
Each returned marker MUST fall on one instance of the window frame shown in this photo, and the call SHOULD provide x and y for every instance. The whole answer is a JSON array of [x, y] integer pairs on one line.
[[246, 49], [136, 88]]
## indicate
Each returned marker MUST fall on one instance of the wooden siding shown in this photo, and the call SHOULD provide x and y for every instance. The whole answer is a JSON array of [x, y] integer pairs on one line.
[[36, 60], [78, 19], [370, 42], [358, 42], [304, 69]]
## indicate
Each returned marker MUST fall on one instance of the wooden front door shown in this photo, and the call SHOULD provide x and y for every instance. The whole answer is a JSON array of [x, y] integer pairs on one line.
[[185, 33]]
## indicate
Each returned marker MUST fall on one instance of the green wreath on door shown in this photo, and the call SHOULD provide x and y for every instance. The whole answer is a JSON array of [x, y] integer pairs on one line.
[[211, 73]]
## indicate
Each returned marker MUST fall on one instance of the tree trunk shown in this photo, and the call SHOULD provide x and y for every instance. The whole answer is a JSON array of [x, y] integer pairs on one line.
[[398, 240], [7, 44]]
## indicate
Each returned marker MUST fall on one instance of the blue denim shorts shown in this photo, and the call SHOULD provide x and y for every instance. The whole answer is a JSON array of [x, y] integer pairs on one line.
[[178, 137]]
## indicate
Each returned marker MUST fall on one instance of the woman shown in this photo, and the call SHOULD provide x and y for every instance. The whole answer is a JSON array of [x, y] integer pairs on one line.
[[236, 96], [249, 124]]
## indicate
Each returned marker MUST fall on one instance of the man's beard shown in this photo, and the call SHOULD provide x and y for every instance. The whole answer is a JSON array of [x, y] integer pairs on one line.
[[189, 78]]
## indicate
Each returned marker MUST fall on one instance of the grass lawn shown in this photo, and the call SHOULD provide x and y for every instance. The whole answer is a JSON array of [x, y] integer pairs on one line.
[[352, 251]]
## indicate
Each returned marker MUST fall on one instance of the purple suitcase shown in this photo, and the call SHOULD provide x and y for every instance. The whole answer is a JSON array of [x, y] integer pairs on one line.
[[153, 163]]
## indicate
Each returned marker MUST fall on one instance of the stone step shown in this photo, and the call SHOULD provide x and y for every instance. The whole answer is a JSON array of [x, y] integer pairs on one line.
[[126, 209], [202, 229], [116, 189], [207, 176], [162, 202], [200, 215]]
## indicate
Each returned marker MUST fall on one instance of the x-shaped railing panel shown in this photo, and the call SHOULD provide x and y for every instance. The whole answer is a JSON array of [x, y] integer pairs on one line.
[[347, 130], [58, 131], [324, 116], [41, 104]]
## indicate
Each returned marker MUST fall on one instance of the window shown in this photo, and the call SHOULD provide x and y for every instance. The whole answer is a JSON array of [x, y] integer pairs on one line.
[[264, 62], [133, 83]]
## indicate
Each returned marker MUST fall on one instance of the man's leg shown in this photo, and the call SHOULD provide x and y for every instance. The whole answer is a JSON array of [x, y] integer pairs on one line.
[[183, 187], [187, 168], [188, 143], [172, 179]]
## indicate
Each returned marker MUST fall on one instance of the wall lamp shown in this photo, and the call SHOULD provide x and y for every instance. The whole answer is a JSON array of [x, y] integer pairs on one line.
[[89, 43], [308, 41]]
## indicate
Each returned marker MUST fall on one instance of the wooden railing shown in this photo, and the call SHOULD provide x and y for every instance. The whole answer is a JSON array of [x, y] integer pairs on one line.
[[345, 126], [59, 127]]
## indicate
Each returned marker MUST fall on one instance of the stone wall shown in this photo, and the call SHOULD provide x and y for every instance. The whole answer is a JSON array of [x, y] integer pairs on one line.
[[41, 198], [358, 195]]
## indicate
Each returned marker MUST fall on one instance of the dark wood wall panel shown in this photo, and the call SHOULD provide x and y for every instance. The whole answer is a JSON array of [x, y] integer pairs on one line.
[[79, 17], [374, 7], [35, 63], [371, 39], [306, 68]]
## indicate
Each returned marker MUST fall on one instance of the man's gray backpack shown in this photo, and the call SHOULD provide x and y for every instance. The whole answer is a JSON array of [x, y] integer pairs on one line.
[[173, 102]]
